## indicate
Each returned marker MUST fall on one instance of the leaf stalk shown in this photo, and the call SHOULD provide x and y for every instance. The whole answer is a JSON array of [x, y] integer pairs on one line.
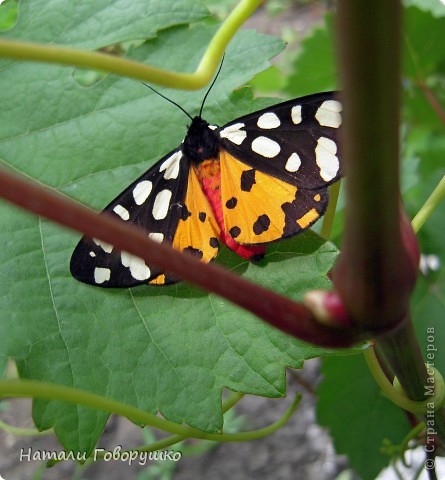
[[127, 68]]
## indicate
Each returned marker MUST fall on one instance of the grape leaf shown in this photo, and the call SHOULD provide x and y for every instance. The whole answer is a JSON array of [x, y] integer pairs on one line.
[[314, 70], [358, 416], [93, 25], [168, 349], [424, 70]]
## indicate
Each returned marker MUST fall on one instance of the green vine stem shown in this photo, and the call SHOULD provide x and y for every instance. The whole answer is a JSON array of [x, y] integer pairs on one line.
[[30, 432], [404, 446], [98, 61], [23, 432], [36, 389], [396, 394], [431, 204], [396, 452], [173, 439]]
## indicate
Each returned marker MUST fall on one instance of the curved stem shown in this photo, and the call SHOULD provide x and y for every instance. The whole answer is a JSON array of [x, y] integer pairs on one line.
[[50, 391], [173, 439], [215, 50], [23, 432], [128, 68], [36, 389], [396, 394], [429, 206], [232, 401], [404, 446], [223, 437]]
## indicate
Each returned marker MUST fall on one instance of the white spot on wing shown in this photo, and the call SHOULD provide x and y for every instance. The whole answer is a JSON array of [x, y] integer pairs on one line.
[[141, 191], [296, 114], [92, 254], [156, 236], [266, 147], [106, 247], [234, 133], [213, 127], [102, 275], [138, 269], [326, 158], [171, 166], [268, 121], [161, 204], [293, 163], [328, 114], [122, 212]]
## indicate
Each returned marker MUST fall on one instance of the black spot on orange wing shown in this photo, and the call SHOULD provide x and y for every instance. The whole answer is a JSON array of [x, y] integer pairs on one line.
[[231, 203], [194, 252], [197, 224], [214, 242], [185, 213], [260, 206], [305, 210], [247, 180], [261, 225], [234, 232]]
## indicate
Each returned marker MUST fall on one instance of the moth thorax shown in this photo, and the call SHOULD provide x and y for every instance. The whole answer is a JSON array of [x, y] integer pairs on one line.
[[201, 142]]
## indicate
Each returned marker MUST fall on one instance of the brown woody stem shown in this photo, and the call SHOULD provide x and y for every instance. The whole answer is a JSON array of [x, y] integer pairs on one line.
[[374, 276], [279, 311], [377, 269]]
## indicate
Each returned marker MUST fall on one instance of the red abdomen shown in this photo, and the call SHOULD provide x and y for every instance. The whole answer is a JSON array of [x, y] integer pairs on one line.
[[209, 175]]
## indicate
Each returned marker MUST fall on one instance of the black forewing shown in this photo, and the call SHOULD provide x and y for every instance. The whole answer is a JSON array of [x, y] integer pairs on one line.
[[300, 138], [140, 204]]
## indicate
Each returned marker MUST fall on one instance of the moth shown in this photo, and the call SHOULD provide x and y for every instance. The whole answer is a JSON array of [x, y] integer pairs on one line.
[[259, 178]]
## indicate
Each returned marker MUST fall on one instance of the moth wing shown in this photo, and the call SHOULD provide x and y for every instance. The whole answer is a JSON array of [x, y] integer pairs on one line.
[[154, 202], [276, 165], [197, 231], [295, 141], [260, 208]]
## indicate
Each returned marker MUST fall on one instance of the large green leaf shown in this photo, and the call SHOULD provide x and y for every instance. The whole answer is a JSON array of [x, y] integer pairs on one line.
[[357, 415], [93, 25], [168, 349], [314, 70], [424, 68]]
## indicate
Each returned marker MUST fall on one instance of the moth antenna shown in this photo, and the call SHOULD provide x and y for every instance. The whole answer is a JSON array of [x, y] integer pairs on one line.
[[211, 86], [168, 100], [177, 104]]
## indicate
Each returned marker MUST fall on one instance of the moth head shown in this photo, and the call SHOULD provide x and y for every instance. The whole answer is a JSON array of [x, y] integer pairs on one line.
[[201, 142]]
